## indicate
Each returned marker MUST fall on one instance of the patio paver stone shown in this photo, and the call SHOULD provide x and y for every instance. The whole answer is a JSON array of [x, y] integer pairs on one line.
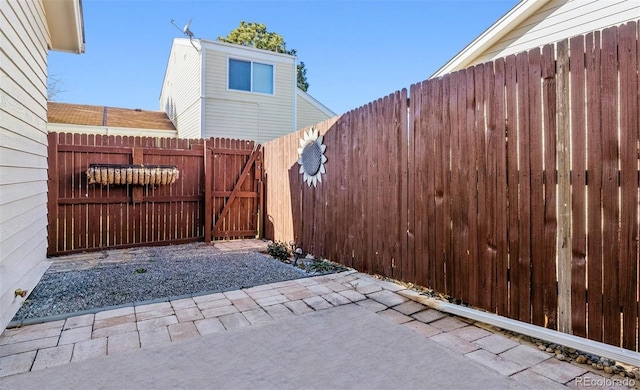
[[122, 342], [454, 343], [298, 307], [154, 337], [114, 330], [425, 330], [123, 311], [208, 326], [257, 316], [525, 355], [88, 349], [75, 335], [387, 298], [561, 372], [278, 311], [51, 357], [317, 303], [496, 343], [79, 321], [234, 321], [470, 333], [428, 315], [188, 314], [409, 307], [536, 381], [495, 362], [16, 364], [182, 331]]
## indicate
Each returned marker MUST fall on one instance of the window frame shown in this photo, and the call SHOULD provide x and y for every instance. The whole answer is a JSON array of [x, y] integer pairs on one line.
[[251, 61]]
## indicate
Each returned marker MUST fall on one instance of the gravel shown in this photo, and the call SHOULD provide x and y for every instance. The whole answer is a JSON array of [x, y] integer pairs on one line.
[[149, 274]]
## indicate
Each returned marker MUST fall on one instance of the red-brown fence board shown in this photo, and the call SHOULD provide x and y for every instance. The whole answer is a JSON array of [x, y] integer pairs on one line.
[[611, 213], [481, 216], [629, 128], [92, 217], [549, 94]]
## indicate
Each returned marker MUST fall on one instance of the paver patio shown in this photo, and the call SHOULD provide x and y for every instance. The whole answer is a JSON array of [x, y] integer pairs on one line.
[[125, 330]]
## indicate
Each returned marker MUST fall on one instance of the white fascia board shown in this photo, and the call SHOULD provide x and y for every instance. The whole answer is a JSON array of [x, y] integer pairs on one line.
[[247, 52], [315, 102], [65, 25], [493, 34]]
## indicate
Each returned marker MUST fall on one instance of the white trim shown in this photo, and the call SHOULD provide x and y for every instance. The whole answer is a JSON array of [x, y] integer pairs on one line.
[[493, 34], [567, 340], [65, 25], [327, 111], [251, 61], [246, 51]]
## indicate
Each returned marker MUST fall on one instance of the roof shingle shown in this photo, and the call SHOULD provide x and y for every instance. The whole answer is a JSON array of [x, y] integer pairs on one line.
[[82, 114]]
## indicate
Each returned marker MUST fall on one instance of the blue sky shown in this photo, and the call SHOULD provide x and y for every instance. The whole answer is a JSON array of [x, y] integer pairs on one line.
[[355, 51]]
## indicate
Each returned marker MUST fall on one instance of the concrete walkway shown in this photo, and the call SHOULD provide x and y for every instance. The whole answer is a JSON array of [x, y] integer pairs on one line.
[[346, 330]]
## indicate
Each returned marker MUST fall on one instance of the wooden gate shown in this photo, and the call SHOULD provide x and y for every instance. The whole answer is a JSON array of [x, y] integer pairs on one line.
[[233, 189], [217, 194]]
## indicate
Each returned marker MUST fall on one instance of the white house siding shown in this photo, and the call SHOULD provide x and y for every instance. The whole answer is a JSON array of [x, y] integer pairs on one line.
[[180, 96], [246, 115], [561, 19], [23, 150], [308, 114]]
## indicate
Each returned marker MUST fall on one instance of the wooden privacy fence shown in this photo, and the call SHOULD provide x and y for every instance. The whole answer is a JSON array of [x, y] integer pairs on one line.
[[216, 194], [512, 185]]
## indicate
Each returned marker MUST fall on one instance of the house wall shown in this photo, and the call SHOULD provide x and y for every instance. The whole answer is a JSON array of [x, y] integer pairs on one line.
[[23, 151], [308, 114], [246, 115], [180, 96], [560, 19]]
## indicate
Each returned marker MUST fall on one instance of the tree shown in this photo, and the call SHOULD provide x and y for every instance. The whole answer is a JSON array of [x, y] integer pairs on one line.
[[55, 87], [256, 35]]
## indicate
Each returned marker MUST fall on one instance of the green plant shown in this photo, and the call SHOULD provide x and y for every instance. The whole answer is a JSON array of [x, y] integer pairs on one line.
[[279, 250], [320, 266], [140, 270]]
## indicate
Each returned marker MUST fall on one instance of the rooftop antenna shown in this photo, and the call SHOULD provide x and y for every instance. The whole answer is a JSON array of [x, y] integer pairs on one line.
[[185, 30]]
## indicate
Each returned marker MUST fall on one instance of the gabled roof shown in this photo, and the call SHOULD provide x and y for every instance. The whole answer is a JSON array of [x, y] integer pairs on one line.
[[493, 34], [315, 103], [82, 114]]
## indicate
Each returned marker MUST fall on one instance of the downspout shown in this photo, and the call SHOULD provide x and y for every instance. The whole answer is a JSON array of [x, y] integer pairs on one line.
[[203, 89], [295, 94]]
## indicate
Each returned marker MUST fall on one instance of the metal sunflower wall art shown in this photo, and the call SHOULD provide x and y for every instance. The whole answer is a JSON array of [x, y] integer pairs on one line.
[[312, 157]]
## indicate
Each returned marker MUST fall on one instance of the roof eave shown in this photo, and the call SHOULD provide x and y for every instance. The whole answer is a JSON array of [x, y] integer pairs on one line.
[[65, 24], [489, 37]]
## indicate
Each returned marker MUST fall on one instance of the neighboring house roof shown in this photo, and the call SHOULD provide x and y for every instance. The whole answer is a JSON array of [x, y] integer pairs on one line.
[[82, 114], [315, 103], [535, 23], [65, 25], [499, 29]]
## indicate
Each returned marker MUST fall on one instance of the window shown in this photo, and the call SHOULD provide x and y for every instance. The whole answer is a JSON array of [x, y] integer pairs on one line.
[[250, 76]]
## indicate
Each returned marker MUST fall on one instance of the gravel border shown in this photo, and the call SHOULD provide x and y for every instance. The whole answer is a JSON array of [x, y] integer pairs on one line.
[[153, 274]]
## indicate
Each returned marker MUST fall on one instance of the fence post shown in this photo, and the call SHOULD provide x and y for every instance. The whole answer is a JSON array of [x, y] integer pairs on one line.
[[564, 190], [53, 193], [208, 206]]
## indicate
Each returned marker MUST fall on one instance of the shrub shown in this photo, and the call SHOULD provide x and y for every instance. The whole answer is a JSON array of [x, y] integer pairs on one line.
[[279, 250]]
